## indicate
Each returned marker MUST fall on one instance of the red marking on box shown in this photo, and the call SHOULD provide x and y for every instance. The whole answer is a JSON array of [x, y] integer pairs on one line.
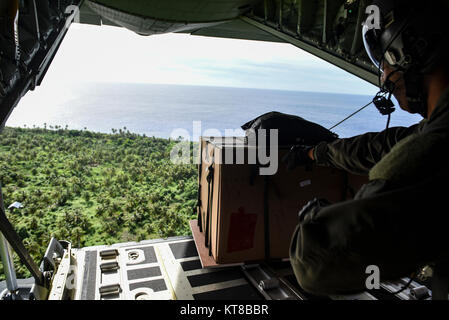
[[242, 229]]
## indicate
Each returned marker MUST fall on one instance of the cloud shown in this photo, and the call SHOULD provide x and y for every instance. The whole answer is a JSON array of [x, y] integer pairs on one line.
[[109, 54]]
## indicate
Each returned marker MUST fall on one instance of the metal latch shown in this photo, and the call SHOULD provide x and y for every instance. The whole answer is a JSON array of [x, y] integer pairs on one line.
[[109, 266], [419, 293], [110, 290], [109, 254], [269, 284]]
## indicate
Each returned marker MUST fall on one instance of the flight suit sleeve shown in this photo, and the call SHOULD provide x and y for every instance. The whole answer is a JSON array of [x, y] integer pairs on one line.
[[359, 154], [384, 226]]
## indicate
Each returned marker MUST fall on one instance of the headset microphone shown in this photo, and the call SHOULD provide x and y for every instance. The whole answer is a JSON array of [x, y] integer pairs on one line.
[[383, 103], [382, 100]]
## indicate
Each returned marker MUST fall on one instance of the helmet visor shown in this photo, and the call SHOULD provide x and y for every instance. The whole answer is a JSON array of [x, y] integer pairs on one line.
[[372, 47]]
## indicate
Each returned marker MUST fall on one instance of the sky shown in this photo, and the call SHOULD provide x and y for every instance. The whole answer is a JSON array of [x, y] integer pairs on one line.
[[111, 54], [90, 55]]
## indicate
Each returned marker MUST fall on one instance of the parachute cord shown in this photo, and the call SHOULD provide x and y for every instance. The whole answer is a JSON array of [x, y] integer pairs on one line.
[[350, 116], [386, 130], [412, 278]]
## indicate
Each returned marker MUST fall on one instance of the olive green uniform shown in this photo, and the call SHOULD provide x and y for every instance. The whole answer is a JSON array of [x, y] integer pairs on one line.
[[359, 154], [398, 221]]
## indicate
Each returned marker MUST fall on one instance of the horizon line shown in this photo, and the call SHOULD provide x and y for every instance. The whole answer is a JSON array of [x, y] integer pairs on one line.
[[227, 87]]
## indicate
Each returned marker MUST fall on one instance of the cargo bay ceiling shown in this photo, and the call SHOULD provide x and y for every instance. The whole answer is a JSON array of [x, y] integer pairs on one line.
[[31, 31]]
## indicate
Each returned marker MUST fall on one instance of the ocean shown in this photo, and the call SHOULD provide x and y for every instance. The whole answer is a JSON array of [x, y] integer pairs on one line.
[[171, 110]]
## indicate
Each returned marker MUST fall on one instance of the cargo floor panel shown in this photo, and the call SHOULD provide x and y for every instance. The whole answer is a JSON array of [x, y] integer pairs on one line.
[[162, 270], [154, 285], [183, 249], [144, 273], [171, 269], [215, 277], [89, 276], [149, 255], [244, 292], [191, 265]]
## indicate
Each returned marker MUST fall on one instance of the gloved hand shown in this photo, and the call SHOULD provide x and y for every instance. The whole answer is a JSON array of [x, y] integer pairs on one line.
[[312, 207], [298, 156]]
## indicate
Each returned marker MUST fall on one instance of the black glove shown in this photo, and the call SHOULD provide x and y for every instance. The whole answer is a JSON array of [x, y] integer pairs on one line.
[[312, 207], [298, 156]]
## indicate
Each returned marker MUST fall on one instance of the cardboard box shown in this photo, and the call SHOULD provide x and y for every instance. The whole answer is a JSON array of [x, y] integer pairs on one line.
[[245, 216]]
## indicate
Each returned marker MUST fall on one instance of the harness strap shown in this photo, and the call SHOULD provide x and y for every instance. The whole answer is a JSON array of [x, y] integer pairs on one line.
[[199, 204], [266, 213], [210, 190]]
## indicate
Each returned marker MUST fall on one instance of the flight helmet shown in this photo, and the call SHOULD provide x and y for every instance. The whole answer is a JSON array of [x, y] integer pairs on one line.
[[412, 37]]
